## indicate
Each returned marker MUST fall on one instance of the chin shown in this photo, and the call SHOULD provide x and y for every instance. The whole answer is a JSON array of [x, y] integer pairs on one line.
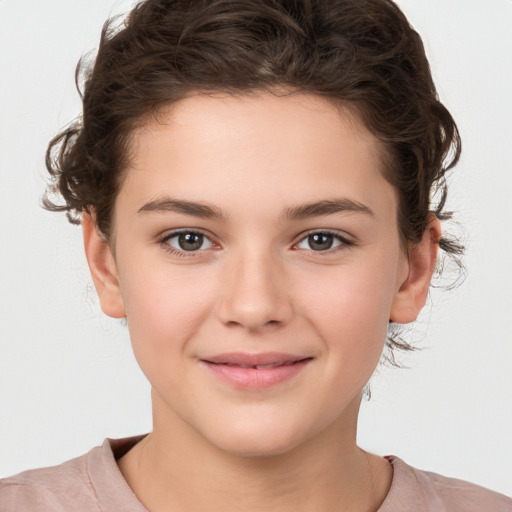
[[258, 441]]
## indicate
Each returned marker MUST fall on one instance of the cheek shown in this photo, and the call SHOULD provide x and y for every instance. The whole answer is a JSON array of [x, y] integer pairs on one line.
[[356, 300], [349, 310], [164, 310]]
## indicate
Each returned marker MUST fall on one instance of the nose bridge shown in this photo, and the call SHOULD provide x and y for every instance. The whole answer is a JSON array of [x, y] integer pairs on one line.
[[255, 289]]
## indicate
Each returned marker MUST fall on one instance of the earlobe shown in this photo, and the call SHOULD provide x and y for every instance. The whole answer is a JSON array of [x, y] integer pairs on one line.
[[413, 291], [103, 269]]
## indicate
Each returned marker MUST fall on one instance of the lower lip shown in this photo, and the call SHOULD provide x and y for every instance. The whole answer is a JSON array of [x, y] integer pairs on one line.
[[253, 378]]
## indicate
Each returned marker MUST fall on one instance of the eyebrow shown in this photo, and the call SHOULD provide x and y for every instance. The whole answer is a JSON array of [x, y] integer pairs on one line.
[[200, 210], [325, 207], [298, 212]]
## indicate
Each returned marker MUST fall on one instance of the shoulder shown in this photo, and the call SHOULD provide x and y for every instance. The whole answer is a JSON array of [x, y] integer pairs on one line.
[[89, 483], [414, 489], [44, 488]]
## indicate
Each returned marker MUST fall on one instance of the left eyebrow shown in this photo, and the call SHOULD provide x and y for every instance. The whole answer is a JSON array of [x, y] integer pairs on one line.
[[326, 207]]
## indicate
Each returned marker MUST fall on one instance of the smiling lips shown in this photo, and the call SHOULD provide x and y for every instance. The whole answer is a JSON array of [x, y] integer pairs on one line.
[[255, 371]]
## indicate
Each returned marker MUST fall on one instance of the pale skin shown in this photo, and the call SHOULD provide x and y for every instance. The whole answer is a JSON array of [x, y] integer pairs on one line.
[[256, 283]]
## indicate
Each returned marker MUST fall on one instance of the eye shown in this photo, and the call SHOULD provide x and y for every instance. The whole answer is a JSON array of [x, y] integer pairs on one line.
[[187, 241], [323, 241]]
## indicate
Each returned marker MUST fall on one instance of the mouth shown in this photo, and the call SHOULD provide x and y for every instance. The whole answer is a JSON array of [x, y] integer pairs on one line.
[[255, 371], [261, 366]]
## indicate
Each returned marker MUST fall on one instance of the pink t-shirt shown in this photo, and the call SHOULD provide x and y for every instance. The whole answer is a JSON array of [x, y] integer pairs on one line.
[[93, 483]]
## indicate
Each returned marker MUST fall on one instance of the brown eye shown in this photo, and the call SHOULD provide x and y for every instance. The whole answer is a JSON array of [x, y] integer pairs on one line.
[[188, 241], [322, 241]]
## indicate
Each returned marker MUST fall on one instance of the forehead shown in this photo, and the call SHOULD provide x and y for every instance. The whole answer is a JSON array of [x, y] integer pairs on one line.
[[264, 117], [243, 150]]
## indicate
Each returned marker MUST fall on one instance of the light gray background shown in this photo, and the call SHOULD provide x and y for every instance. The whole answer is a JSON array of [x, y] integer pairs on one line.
[[67, 376]]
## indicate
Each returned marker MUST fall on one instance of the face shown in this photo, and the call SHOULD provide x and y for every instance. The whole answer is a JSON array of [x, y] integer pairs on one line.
[[257, 259]]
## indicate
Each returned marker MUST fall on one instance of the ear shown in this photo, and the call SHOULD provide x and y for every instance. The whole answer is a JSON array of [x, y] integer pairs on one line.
[[422, 260], [103, 269]]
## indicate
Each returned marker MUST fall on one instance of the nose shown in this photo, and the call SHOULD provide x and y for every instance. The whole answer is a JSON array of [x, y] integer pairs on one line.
[[255, 293]]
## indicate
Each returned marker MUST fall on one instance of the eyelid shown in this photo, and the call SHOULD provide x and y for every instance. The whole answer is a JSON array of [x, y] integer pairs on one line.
[[170, 234], [335, 232]]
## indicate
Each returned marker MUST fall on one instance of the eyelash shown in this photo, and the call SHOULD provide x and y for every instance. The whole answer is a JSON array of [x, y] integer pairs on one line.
[[345, 243]]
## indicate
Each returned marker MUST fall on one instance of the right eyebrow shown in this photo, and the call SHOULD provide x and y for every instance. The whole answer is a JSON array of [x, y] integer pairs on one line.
[[204, 211]]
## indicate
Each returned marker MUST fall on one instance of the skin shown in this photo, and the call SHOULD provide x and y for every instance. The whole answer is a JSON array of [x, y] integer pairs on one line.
[[256, 284]]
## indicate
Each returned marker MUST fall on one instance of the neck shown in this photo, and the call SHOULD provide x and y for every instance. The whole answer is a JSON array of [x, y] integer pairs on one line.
[[176, 469]]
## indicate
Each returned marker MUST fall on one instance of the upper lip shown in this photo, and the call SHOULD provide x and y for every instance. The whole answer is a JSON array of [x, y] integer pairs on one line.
[[241, 359]]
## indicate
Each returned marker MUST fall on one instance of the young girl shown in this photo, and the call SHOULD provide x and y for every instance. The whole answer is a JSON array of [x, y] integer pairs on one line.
[[254, 182]]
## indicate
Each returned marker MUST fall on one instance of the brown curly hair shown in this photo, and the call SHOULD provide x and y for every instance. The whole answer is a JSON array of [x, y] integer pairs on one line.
[[361, 53]]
